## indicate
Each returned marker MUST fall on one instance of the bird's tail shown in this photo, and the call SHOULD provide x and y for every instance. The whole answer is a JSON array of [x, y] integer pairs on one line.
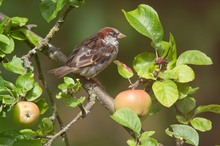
[[61, 71]]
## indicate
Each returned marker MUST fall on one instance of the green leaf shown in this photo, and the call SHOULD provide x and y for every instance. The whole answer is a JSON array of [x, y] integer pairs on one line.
[[146, 21], [182, 119], [9, 100], [193, 90], [155, 107], [184, 73], [74, 102], [7, 138], [7, 26], [186, 105], [4, 39], [5, 111], [184, 132], [31, 37], [2, 82], [144, 65], [147, 134], [201, 124], [42, 105], [18, 21], [63, 95], [34, 93], [214, 108], [10, 85], [7, 49], [146, 139], [78, 86], [7, 92], [166, 92], [163, 48], [28, 142], [7, 96], [70, 85], [28, 133], [149, 142], [76, 3], [25, 83], [50, 8], [184, 89], [126, 117], [18, 35], [172, 54], [63, 87], [2, 23], [131, 142], [168, 74], [68, 80], [194, 57], [45, 127], [124, 70], [2, 54], [15, 66]]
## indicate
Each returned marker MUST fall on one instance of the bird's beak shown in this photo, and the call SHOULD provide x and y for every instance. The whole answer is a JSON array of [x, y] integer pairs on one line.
[[121, 35]]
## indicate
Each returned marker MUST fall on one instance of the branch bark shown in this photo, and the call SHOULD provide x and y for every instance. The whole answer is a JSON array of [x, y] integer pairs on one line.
[[88, 108], [51, 98], [44, 42]]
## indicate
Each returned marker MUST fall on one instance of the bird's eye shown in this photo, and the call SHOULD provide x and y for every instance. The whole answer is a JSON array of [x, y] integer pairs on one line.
[[114, 34]]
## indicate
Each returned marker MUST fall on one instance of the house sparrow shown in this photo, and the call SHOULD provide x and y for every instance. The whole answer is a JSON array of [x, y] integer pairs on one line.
[[93, 55]]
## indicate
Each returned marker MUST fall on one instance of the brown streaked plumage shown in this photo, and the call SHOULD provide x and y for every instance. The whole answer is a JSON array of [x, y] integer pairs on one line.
[[93, 55]]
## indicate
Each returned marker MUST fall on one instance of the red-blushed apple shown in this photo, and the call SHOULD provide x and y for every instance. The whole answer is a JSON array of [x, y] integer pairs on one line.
[[26, 113], [138, 101]]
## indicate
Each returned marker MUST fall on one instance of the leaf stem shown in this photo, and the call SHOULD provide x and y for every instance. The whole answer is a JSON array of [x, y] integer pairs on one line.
[[179, 142]]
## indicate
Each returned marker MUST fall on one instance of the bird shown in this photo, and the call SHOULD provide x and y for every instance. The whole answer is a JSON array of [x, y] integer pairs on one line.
[[93, 55]]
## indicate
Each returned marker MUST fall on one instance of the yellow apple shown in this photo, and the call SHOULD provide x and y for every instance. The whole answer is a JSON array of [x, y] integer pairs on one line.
[[26, 113]]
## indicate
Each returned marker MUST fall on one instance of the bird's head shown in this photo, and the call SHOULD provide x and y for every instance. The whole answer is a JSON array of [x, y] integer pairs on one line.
[[110, 35]]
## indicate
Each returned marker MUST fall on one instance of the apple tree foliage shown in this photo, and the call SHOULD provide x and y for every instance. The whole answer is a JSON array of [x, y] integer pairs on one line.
[[169, 74]]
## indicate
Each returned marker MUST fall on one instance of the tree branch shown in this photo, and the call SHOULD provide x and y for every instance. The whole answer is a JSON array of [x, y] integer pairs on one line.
[[44, 42], [50, 95], [80, 115]]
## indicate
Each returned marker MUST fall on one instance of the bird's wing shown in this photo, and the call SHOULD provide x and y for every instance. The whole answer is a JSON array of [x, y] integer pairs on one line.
[[89, 57]]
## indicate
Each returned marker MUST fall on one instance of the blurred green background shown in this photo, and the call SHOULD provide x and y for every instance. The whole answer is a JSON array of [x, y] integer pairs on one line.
[[194, 24]]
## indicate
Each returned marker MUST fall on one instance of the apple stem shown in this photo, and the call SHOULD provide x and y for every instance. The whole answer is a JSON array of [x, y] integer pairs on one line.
[[129, 80]]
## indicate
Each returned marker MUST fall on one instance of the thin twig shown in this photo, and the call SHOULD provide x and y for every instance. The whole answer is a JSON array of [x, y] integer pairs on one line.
[[179, 142], [48, 37], [44, 137], [135, 84], [40, 47], [83, 110], [138, 83], [79, 116], [50, 95]]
